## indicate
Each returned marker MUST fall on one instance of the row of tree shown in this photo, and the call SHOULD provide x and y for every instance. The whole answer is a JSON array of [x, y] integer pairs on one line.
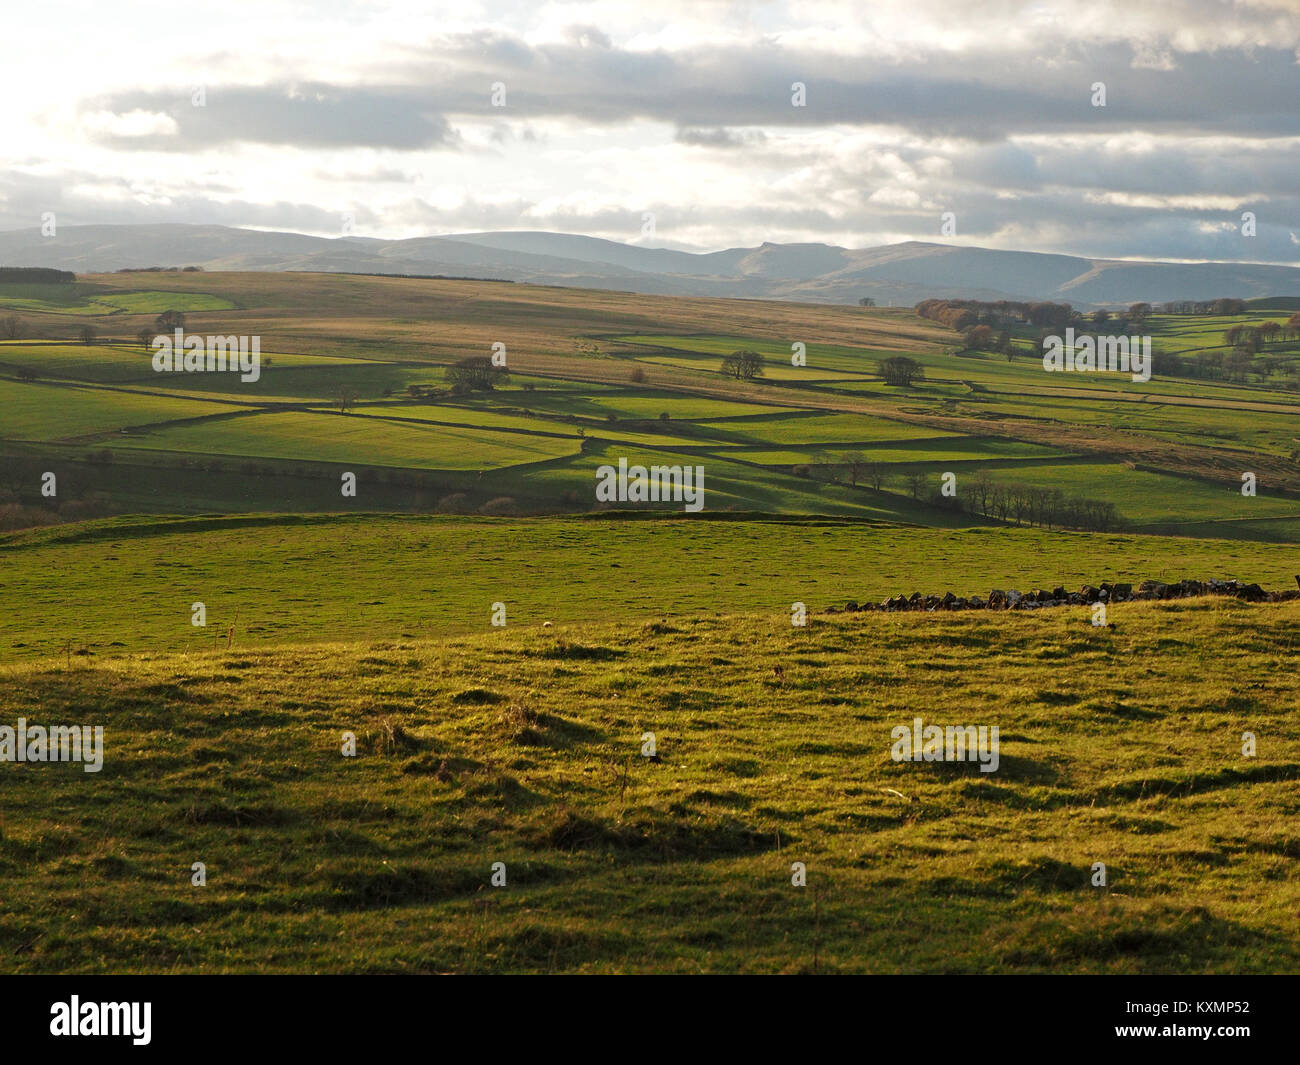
[[962, 314], [1217, 307], [897, 370], [1253, 337], [35, 275], [981, 495], [1027, 504]]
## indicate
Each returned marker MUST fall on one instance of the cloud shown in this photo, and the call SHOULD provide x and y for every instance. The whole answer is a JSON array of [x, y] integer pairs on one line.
[[132, 124], [720, 138], [310, 115], [684, 110]]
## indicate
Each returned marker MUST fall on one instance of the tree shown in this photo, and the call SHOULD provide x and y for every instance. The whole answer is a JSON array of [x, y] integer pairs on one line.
[[1167, 364], [12, 327], [1138, 312], [855, 464], [476, 374], [168, 321], [1237, 364], [145, 336], [743, 365], [86, 334], [978, 338], [346, 399], [866, 301], [1053, 316], [900, 370], [1100, 316], [1228, 306]]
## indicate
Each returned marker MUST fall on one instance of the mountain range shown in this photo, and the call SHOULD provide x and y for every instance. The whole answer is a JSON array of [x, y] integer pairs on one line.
[[892, 275]]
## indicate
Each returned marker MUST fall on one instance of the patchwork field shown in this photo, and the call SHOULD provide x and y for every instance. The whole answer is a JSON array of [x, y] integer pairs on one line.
[[609, 375], [48, 411]]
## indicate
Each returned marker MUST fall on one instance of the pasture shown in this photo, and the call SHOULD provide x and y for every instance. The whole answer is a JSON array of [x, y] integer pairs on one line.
[[592, 378], [524, 747]]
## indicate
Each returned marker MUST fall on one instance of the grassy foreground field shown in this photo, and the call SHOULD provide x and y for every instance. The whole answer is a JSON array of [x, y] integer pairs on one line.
[[1121, 746]]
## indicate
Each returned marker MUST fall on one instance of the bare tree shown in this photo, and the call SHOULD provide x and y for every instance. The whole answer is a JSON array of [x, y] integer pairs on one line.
[[854, 465]]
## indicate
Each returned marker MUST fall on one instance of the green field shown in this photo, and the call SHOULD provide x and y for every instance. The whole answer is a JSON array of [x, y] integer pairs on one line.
[[948, 451], [157, 302], [83, 299], [43, 411], [332, 437], [589, 378], [294, 579]]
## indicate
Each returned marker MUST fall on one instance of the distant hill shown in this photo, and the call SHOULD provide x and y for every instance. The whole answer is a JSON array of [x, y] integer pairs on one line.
[[896, 274]]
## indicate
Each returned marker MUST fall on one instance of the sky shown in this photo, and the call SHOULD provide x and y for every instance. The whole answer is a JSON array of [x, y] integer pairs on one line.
[[669, 124]]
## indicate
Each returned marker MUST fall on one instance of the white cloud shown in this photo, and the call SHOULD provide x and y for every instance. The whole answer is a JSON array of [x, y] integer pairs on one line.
[[137, 123]]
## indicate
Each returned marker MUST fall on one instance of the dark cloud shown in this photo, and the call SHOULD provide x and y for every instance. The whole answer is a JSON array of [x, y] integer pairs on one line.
[[980, 95]]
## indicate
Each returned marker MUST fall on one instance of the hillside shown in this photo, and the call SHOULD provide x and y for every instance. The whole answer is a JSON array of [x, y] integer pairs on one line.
[[894, 275]]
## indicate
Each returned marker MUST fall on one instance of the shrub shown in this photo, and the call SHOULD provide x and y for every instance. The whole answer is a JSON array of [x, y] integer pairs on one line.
[[456, 503], [502, 505]]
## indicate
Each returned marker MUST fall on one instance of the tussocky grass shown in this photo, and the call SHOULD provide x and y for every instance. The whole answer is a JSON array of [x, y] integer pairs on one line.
[[523, 746]]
